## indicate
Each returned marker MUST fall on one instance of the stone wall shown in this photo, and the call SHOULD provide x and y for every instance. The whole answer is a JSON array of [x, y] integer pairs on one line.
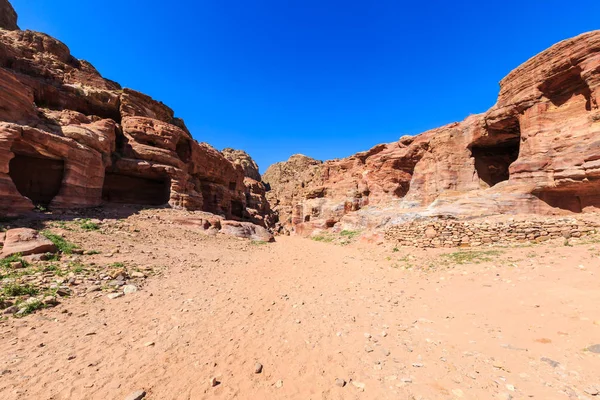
[[453, 233]]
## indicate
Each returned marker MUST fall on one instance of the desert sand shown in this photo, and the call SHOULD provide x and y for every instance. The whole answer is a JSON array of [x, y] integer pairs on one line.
[[392, 323]]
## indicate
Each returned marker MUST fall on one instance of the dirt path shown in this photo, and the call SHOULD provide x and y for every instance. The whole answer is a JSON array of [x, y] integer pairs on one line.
[[515, 326]]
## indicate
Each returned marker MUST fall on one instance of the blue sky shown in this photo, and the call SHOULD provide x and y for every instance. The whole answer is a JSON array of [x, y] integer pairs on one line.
[[324, 78]]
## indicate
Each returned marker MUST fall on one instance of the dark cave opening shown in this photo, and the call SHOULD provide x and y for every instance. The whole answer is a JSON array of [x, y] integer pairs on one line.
[[128, 189], [210, 197], [237, 209], [492, 161], [576, 198], [184, 150], [36, 177], [495, 152]]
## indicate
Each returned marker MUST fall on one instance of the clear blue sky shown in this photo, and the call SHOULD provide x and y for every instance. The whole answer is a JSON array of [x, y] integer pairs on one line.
[[325, 78]]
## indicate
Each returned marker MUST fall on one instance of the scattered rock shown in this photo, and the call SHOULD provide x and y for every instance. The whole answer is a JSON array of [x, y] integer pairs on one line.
[[359, 385], [340, 382], [592, 390], [16, 265], [11, 310], [49, 301], [214, 382], [148, 344], [137, 395], [94, 288], [594, 348], [552, 363], [129, 289], [258, 367], [279, 384], [113, 296]]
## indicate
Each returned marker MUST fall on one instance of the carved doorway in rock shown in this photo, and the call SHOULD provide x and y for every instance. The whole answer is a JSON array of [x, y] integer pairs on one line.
[[494, 153], [129, 189], [37, 177]]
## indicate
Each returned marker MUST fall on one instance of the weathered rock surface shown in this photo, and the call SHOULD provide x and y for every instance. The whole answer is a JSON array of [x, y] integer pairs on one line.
[[8, 16], [26, 241], [536, 151], [246, 230], [70, 138], [240, 157]]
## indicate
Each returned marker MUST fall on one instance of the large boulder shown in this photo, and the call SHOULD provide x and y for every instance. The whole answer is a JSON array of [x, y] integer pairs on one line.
[[246, 230], [26, 241]]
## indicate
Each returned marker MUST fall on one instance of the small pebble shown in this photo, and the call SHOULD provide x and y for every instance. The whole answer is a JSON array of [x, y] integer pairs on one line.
[[258, 367], [340, 382]]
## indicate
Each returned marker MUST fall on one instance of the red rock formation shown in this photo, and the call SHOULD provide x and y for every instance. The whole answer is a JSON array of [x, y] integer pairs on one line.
[[536, 151], [71, 138], [8, 16]]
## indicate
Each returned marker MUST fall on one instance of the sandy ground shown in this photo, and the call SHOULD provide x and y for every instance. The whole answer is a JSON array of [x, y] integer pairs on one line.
[[405, 324]]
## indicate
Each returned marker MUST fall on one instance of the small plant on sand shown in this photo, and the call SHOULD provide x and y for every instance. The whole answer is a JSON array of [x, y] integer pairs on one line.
[[258, 242], [322, 238], [88, 225], [472, 257], [117, 265], [14, 290], [63, 245], [31, 307], [76, 267], [567, 244], [395, 250], [5, 263], [349, 234]]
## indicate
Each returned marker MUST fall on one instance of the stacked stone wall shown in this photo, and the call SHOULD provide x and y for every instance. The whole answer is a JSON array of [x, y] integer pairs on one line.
[[453, 233]]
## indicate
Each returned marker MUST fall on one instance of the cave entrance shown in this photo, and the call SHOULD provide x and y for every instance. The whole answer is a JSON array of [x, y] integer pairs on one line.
[[210, 197], [495, 152], [37, 177], [184, 150], [237, 209], [128, 189], [577, 198]]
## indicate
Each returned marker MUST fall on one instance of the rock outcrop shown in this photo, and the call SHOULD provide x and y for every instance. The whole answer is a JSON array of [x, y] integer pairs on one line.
[[70, 138], [536, 151], [240, 157], [8, 16]]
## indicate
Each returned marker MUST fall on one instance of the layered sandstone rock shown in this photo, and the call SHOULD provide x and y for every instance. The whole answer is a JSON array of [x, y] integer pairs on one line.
[[8, 16], [71, 138], [536, 151]]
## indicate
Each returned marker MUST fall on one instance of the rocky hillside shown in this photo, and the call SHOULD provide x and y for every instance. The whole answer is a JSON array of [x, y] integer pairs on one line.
[[70, 138], [536, 151]]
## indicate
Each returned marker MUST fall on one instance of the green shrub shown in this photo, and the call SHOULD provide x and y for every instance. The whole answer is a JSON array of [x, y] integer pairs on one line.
[[14, 290], [60, 242]]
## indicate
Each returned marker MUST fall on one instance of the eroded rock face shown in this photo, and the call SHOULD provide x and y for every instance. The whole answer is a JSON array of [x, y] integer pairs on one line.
[[71, 138], [8, 16], [536, 151], [240, 157]]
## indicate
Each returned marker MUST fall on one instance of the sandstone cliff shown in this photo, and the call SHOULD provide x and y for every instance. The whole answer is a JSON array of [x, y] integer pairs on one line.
[[536, 151], [71, 138]]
